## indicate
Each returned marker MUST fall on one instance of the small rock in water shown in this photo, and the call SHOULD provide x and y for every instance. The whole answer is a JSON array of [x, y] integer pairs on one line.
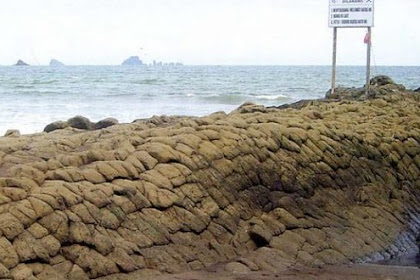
[[80, 122], [55, 125], [106, 123], [12, 133]]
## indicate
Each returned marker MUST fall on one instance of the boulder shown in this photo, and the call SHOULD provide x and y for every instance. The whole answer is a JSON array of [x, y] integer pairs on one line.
[[106, 123], [133, 61], [55, 62], [80, 122], [249, 107], [21, 63], [237, 268], [12, 133], [56, 125], [381, 80]]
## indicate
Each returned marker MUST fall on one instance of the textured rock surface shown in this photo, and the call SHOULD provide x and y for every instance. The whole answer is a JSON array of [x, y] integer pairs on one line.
[[258, 189]]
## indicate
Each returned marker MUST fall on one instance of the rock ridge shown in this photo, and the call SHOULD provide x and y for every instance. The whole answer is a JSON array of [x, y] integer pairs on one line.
[[258, 189]]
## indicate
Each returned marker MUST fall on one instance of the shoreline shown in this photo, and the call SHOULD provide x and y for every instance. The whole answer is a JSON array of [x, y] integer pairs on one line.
[[342, 272]]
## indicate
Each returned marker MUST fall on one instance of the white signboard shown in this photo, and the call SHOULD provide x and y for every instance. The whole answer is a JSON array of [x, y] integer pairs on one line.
[[351, 13]]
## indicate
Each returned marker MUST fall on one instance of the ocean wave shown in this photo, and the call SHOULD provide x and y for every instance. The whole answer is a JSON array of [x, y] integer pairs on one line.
[[146, 82], [23, 86], [279, 97], [45, 82], [229, 99], [235, 99]]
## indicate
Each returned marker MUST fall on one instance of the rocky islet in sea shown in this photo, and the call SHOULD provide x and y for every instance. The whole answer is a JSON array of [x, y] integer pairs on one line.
[[329, 181], [56, 63], [21, 63], [132, 61]]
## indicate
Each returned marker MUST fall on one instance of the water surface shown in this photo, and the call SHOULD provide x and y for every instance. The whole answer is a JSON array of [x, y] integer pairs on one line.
[[31, 97]]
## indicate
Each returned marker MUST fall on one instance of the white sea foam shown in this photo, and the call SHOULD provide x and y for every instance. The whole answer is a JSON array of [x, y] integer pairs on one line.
[[273, 97]]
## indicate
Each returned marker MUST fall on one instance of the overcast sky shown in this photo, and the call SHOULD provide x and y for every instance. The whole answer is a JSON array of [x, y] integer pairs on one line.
[[275, 32]]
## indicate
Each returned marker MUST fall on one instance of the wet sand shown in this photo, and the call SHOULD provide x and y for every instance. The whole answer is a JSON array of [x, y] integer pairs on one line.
[[343, 272]]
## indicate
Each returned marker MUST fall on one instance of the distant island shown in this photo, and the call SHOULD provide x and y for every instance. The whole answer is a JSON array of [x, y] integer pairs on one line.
[[133, 61], [21, 63], [136, 61], [55, 62], [160, 63]]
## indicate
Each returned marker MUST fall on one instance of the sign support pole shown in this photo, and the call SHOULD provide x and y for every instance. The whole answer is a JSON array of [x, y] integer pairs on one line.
[[334, 62], [369, 47]]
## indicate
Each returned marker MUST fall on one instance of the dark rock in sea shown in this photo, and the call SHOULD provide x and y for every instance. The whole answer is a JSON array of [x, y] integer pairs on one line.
[[21, 63], [55, 125], [105, 123], [80, 123], [12, 133], [133, 61], [55, 62]]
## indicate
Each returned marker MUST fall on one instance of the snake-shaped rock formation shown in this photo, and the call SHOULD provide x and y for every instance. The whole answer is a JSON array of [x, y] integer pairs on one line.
[[329, 183]]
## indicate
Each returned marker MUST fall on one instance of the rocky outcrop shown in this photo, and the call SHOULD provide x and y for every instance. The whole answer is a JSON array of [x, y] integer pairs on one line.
[[379, 86], [132, 61], [257, 189], [21, 63], [56, 63], [12, 133], [55, 126], [105, 123], [80, 122]]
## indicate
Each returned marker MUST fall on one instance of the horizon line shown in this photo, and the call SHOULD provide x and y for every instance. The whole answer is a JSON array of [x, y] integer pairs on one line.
[[213, 65]]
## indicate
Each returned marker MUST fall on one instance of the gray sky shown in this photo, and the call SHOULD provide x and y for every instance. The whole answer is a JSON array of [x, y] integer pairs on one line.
[[283, 32]]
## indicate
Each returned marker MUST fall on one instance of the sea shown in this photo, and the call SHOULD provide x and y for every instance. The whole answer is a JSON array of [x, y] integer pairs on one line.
[[33, 96]]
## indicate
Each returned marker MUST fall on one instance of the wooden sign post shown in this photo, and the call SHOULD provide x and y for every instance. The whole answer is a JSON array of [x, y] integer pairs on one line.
[[351, 14]]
